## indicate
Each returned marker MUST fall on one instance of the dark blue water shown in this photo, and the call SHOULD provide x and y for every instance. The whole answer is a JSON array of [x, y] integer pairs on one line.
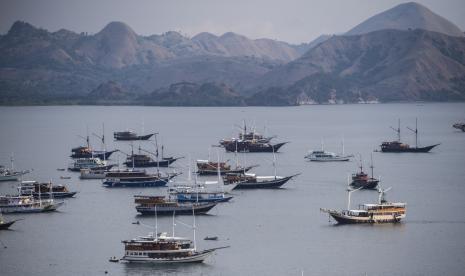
[[271, 232]]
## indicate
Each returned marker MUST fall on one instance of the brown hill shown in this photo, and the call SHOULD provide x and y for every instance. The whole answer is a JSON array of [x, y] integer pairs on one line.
[[390, 65]]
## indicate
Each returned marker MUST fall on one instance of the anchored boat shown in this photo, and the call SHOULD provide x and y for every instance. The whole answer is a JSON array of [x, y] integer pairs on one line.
[[27, 204], [136, 178], [89, 163], [129, 135], [362, 180], [381, 212], [148, 205], [159, 248], [44, 190], [206, 167], [10, 174], [397, 146]]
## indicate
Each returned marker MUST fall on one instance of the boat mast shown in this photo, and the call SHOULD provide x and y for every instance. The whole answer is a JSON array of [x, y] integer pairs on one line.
[[12, 163], [132, 154], [372, 176], [156, 153], [397, 130], [193, 227], [342, 145], [350, 192], [361, 163], [218, 172], [415, 131], [156, 223], [103, 142], [174, 212], [274, 163]]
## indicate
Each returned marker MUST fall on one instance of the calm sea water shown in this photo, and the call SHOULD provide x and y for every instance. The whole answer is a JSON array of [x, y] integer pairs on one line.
[[271, 232]]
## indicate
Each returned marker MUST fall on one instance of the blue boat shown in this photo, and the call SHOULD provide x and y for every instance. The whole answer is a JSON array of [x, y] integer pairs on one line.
[[201, 197]]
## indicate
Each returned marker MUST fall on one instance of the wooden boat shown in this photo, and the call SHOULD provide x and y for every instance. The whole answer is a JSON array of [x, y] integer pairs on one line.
[[145, 161], [381, 212], [206, 167], [236, 145], [245, 135], [44, 190], [362, 180], [252, 181], [130, 136], [149, 205], [88, 152], [397, 146]]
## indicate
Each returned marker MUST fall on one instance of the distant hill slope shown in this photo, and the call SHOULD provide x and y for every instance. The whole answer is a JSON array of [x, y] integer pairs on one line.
[[192, 94], [37, 64], [389, 65], [407, 16]]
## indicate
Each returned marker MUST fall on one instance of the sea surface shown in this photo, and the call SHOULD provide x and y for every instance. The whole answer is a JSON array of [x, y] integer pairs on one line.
[[270, 232]]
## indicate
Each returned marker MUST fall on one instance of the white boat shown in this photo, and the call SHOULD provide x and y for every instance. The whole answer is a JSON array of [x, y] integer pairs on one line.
[[326, 156], [89, 163], [27, 204], [10, 174]]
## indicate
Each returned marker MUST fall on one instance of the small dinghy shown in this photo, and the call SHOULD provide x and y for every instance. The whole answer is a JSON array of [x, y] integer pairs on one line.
[[214, 238]]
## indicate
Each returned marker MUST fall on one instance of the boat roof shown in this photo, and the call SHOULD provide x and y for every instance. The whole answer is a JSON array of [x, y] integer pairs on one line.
[[357, 211], [394, 204]]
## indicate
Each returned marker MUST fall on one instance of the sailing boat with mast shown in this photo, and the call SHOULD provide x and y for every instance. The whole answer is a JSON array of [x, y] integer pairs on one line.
[[362, 180], [143, 160], [196, 192], [88, 152], [398, 146], [252, 181]]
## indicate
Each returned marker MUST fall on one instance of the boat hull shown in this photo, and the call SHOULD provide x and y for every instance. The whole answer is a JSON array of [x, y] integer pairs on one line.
[[365, 184], [55, 195], [196, 258], [131, 184], [345, 219], [399, 150], [252, 147], [6, 225], [98, 154], [136, 138], [161, 163], [29, 209], [271, 184], [223, 172], [104, 168], [193, 198], [178, 210]]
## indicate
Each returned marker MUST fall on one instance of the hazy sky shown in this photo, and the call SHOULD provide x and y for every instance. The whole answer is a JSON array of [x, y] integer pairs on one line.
[[293, 21]]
